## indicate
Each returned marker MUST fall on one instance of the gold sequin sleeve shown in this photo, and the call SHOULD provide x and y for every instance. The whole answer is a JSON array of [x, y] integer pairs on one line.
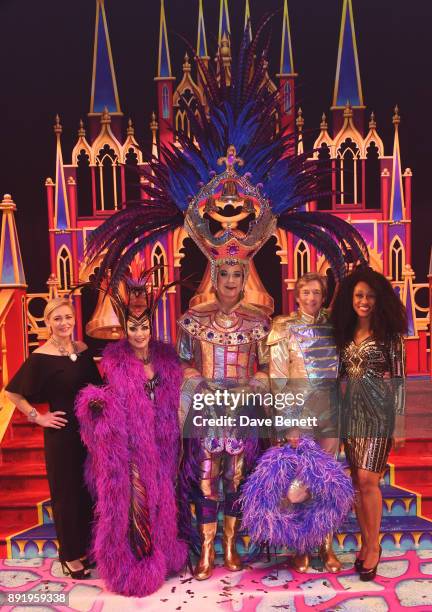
[[185, 351], [263, 354], [279, 364]]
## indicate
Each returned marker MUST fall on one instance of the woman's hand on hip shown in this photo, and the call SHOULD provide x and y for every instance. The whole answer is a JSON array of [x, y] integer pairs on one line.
[[51, 419]]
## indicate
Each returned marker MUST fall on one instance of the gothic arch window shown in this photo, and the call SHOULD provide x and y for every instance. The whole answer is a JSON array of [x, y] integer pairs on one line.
[[397, 259], [287, 98], [182, 123], [349, 175], [108, 183], [158, 258], [84, 184], [133, 191], [325, 177], [301, 259], [165, 103], [64, 268], [372, 177]]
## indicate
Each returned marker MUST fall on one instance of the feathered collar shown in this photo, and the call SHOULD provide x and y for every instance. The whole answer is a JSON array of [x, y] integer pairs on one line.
[[119, 361]]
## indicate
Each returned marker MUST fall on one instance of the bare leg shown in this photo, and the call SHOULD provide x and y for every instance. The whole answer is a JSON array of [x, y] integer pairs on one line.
[[360, 515], [371, 511]]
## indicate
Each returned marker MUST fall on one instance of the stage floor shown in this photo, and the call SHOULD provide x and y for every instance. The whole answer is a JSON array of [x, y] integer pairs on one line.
[[404, 581]]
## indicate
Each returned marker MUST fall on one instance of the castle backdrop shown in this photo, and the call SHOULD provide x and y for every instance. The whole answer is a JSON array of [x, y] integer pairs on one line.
[[93, 179]]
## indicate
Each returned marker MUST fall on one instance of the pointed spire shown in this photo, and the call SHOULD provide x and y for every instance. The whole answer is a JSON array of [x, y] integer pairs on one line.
[[201, 47], [53, 286], [81, 130], [408, 298], [247, 21], [323, 124], [347, 82], [372, 122], [164, 61], [130, 128], [104, 84], [186, 63], [154, 128], [11, 267], [397, 200], [300, 124], [61, 206], [105, 117], [286, 56], [224, 21]]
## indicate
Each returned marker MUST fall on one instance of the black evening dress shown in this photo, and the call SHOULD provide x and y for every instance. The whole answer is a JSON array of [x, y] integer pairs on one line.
[[372, 400], [56, 380]]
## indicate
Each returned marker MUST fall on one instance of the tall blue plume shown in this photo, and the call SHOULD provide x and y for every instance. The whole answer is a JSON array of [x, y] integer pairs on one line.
[[240, 113]]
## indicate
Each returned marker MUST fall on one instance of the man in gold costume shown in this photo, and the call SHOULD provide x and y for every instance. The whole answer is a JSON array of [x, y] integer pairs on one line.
[[222, 345], [304, 359]]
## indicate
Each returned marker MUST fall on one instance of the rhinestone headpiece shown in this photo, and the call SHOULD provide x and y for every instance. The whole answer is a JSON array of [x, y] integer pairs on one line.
[[231, 193]]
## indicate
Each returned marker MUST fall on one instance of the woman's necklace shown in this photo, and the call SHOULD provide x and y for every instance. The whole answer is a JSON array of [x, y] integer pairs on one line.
[[73, 355], [144, 360]]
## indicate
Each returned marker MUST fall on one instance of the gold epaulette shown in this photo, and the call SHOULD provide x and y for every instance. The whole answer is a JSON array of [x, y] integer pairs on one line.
[[280, 328]]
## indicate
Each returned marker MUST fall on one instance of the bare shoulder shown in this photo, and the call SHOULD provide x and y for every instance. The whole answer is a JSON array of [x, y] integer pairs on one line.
[[49, 349], [46, 349], [80, 346]]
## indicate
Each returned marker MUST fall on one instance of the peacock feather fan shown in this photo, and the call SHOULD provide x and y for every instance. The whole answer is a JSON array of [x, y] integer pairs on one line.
[[239, 112]]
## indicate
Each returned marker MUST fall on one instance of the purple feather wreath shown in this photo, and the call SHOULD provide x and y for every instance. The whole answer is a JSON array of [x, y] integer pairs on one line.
[[302, 526]]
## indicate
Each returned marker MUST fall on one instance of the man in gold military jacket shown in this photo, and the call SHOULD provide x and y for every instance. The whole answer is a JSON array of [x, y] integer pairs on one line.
[[304, 362]]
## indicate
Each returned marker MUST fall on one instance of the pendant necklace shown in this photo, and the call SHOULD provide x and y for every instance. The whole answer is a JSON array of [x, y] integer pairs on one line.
[[73, 355], [145, 360]]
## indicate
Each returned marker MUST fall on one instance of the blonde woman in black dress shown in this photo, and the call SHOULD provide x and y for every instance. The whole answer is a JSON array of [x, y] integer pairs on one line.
[[369, 322], [54, 373]]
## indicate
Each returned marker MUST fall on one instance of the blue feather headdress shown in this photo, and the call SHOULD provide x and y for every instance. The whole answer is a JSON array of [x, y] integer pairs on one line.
[[240, 114]]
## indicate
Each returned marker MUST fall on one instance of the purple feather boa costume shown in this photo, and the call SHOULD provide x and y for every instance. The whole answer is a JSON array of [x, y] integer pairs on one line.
[[132, 429], [301, 526]]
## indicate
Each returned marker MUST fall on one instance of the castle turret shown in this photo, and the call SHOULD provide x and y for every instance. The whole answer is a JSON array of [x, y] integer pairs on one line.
[[104, 92], [397, 200], [347, 87], [201, 47], [164, 80], [287, 76], [13, 308], [224, 21], [61, 220], [11, 266], [224, 39]]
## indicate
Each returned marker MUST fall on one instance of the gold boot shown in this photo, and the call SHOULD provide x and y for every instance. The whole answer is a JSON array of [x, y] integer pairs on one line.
[[205, 565], [327, 554], [301, 563], [232, 559]]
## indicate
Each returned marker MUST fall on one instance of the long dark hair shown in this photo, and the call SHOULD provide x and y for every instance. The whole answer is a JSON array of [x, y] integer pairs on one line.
[[388, 317]]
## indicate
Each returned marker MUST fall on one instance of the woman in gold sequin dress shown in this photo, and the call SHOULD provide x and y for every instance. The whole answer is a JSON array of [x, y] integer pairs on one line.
[[369, 321]]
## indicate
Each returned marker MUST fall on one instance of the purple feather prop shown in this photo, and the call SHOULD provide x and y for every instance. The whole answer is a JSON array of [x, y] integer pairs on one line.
[[130, 429], [300, 527]]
